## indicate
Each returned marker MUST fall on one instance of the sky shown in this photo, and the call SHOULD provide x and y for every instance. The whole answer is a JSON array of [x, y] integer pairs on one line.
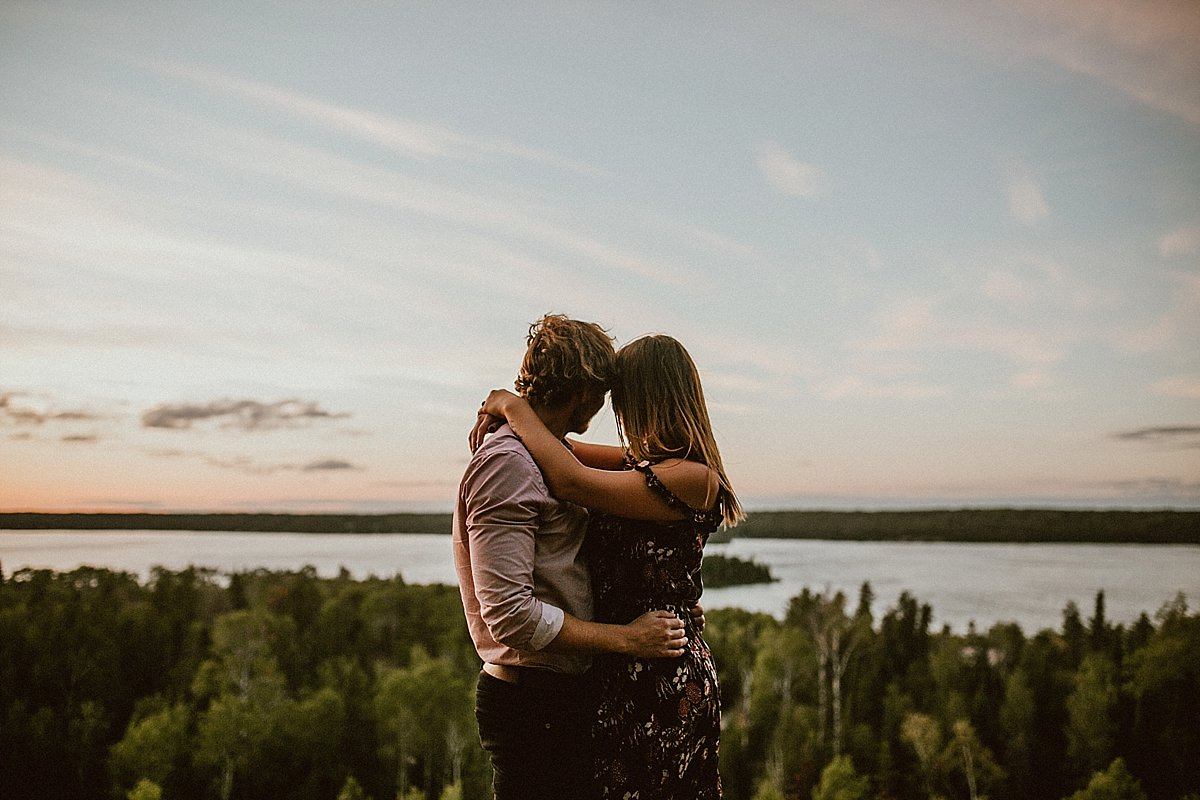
[[269, 256]]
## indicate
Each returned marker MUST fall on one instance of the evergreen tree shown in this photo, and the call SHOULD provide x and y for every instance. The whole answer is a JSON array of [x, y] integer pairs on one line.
[[1115, 783], [1018, 721], [145, 790], [922, 733], [153, 749], [1074, 633], [966, 763], [1091, 722], [839, 781], [1164, 681], [352, 790]]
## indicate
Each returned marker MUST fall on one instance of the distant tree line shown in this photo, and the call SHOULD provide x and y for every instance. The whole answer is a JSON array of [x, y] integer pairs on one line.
[[978, 525], [195, 685], [960, 525]]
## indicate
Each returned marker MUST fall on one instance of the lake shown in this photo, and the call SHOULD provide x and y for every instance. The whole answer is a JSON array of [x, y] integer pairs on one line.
[[1024, 583]]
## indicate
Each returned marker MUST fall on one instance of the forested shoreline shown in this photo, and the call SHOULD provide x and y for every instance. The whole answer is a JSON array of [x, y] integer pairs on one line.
[[941, 525], [261, 684], [979, 525]]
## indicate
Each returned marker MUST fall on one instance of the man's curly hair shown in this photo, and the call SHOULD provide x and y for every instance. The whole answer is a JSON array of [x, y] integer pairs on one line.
[[564, 357]]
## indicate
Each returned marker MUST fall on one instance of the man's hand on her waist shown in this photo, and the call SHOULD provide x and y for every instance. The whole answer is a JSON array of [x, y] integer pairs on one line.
[[655, 634]]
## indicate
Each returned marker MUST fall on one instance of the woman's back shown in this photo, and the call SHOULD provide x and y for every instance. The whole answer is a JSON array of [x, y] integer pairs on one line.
[[660, 720], [641, 565]]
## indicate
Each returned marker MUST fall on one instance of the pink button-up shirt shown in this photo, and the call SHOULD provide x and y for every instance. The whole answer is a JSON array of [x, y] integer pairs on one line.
[[516, 551]]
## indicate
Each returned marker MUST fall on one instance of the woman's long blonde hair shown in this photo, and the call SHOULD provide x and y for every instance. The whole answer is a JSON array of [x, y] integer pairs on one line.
[[661, 412]]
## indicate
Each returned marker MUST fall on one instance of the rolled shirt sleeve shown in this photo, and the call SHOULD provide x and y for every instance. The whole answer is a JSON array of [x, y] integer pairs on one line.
[[548, 626], [502, 493]]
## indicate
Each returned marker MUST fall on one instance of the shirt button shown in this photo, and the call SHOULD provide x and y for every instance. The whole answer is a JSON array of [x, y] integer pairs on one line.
[[547, 726]]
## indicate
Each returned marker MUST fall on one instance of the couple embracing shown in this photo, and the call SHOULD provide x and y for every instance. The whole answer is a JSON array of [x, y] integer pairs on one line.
[[579, 567]]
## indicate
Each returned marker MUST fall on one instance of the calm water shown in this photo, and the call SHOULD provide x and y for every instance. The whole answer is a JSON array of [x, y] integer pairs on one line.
[[1025, 583], [1028, 584]]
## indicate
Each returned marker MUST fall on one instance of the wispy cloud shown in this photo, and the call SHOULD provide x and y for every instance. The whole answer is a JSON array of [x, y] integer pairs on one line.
[[698, 238], [21, 410], [81, 439], [921, 324], [1028, 307], [247, 415], [1008, 287], [902, 324], [859, 387], [400, 136], [507, 215], [328, 465], [1052, 490], [1177, 324], [1183, 436], [1145, 50], [1025, 200], [1033, 378], [1180, 242], [256, 466], [787, 173], [1178, 386], [1168, 489], [417, 484], [246, 464], [123, 161]]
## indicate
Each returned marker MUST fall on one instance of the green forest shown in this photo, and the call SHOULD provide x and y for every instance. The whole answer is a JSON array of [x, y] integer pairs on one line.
[[267, 684]]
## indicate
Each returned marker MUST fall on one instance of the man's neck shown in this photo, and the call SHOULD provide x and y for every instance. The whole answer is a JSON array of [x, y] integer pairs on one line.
[[558, 419]]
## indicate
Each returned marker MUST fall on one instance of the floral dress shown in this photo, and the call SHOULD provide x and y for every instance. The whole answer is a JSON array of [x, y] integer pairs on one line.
[[659, 721]]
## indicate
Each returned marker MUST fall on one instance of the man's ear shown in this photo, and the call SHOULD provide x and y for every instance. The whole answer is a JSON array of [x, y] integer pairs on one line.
[[594, 395]]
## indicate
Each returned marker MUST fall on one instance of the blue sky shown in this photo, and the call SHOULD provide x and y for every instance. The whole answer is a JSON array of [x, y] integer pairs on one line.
[[268, 255]]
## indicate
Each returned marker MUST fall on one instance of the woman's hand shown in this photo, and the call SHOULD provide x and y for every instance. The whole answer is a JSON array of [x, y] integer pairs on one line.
[[484, 424], [492, 414], [497, 403]]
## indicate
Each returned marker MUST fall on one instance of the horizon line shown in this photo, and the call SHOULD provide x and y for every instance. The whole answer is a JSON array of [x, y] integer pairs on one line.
[[774, 509]]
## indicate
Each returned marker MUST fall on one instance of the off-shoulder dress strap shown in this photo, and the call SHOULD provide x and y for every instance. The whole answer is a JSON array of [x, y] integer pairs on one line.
[[657, 486]]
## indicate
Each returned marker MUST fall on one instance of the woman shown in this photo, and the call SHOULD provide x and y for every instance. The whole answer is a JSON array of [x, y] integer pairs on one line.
[[655, 504]]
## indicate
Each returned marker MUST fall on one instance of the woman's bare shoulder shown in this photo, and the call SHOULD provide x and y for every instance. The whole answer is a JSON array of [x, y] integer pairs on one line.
[[690, 481]]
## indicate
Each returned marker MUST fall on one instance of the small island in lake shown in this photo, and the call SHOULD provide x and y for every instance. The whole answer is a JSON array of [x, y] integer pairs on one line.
[[721, 570]]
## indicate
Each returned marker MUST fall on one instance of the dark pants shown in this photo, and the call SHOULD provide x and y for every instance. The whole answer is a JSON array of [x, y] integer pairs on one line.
[[539, 734]]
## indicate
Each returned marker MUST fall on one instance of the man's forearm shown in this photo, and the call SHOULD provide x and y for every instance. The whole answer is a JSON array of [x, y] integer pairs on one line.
[[655, 634], [581, 636]]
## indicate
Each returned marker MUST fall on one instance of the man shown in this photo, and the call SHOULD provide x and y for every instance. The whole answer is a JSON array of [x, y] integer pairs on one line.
[[527, 592]]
